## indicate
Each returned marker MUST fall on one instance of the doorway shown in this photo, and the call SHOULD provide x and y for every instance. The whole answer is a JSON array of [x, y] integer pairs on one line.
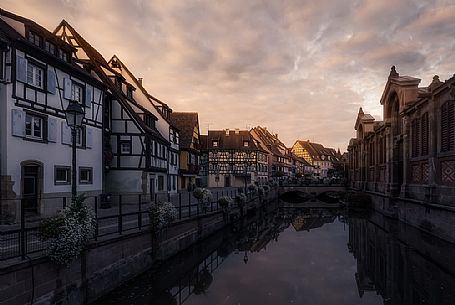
[[31, 187]]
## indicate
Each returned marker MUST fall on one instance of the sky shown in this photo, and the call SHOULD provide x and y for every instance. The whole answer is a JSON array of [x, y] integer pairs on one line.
[[300, 68]]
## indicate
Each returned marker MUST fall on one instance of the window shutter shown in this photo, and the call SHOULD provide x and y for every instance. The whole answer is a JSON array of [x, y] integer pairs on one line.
[[451, 125], [66, 133], [18, 123], [52, 130], [424, 130], [51, 83], [21, 69], [67, 88], [444, 127], [88, 95], [89, 137]]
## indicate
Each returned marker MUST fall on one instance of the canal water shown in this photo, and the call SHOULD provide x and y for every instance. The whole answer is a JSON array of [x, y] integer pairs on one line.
[[303, 256]]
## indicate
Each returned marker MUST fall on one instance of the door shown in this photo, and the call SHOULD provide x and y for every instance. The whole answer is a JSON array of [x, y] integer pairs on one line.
[[227, 181], [30, 193]]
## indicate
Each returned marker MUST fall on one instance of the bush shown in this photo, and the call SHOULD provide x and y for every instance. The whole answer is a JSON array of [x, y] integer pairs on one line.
[[161, 215], [68, 232], [261, 191], [240, 190], [240, 200], [204, 197], [225, 202], [252, 188], [266, 188]]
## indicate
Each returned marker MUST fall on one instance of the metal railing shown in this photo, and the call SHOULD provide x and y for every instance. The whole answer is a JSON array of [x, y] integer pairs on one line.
[[121, 214]]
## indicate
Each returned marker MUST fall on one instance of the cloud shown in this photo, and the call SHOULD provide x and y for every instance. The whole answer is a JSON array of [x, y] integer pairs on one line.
[[300, 67]]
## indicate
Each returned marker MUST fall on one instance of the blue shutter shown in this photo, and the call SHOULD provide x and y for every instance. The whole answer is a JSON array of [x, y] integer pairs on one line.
[[18, 123], [21, 69], [52, 130], [89, 137], [66, 133], [88, 95], [51, 82], [67, 88]]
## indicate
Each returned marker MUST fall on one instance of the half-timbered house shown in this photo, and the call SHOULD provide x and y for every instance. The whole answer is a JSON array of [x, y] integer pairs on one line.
[[38, 79], [188, 125], [135, 150], [234, 158]]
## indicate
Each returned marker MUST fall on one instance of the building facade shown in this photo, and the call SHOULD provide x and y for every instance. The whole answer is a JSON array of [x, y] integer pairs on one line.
[[411, 153], [189, 154], [323, 159], [233, 159], [39, 78]]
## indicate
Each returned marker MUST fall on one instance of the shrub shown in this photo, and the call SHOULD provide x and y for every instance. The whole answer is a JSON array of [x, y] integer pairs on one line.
[[161, 215], [240, 200], [261, 191], [225, 202], [240, 190], [266, 188], [204, 197], [69, 231], [252, 188]]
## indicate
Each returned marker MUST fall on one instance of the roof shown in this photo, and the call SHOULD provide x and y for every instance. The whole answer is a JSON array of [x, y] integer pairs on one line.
[[98, 64], [185, 122], [317, 150], [230, 140], [270, 142], [301, 160]]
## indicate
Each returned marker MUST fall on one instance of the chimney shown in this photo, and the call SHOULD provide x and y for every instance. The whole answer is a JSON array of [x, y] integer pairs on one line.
[[140, 81], [227, 132], [237, 131]]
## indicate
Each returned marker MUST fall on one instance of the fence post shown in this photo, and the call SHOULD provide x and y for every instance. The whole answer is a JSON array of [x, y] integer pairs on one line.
[[23, 242], [64, 202], [96, 217], [120, 217], [156, 197], [139, 214], [189, 205], [180, 205]]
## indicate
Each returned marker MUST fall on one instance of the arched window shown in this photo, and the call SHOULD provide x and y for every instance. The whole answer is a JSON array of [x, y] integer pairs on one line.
[[447, 126]]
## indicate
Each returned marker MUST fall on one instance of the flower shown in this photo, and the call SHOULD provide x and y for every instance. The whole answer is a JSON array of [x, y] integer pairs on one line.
[[162, 214]]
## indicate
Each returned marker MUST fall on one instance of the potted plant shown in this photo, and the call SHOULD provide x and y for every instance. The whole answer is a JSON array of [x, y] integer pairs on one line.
[[204, 198]]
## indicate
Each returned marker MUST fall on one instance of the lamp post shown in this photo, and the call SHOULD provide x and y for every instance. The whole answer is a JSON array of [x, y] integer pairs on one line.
[[74, 115]]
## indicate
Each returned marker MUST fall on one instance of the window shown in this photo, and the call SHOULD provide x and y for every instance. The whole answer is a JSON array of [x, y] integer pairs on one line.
[[77, 93], [149, 121], [129, 92], [2, 65], [85, 175], [246, 143], [35, 75], [415, 137], [447, 126], [215, 143], [125, 148], [160, 183], [34, 38], [63, 55], [62, 175], [33, 127], [424, 129], [50, 47]]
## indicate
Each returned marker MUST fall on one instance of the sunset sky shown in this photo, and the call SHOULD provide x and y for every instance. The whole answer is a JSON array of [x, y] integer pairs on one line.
[[301, 68]]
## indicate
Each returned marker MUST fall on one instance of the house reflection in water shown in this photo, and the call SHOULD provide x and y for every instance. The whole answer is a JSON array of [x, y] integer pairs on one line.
[[401, 263]]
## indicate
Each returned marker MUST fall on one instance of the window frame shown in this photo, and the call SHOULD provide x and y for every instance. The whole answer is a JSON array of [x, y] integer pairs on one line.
[[90, 170], [36, 67], [47, 47], [80, 86], [121, 143], [32, 34], [61, 182], [43, 124]]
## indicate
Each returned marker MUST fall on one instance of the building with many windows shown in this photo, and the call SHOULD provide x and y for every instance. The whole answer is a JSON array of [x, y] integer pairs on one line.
[[411, 153], [279, 156], [233, 158], [188, 126], [321, 158], [39, 77]]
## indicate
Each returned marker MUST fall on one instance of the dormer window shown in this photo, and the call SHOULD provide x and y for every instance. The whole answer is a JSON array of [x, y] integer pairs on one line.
[[149, 121], [34, 38], [50, 47], [63, 55], [129, 92], [215, 143]]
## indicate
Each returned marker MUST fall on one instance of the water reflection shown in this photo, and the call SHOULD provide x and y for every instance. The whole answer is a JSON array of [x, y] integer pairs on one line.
[[301, 256], [405, 265]]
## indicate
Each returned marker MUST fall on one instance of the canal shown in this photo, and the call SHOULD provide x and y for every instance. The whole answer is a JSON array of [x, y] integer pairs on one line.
[[315, 256]]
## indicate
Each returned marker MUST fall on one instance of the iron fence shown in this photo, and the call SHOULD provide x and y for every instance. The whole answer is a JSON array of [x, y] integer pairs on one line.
[[115, 215]]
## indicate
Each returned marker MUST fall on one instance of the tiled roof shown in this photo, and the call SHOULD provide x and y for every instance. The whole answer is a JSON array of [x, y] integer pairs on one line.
[[271, 142], [233, 141], [185, 122]]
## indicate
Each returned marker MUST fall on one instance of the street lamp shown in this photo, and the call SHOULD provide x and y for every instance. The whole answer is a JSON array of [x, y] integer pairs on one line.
[[74, 115]]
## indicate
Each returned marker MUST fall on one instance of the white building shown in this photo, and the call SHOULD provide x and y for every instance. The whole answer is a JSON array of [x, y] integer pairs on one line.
[[38, 79]]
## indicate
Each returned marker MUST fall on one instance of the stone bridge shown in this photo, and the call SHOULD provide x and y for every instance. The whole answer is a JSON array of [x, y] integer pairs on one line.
[[312, 189], [311, 194]]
